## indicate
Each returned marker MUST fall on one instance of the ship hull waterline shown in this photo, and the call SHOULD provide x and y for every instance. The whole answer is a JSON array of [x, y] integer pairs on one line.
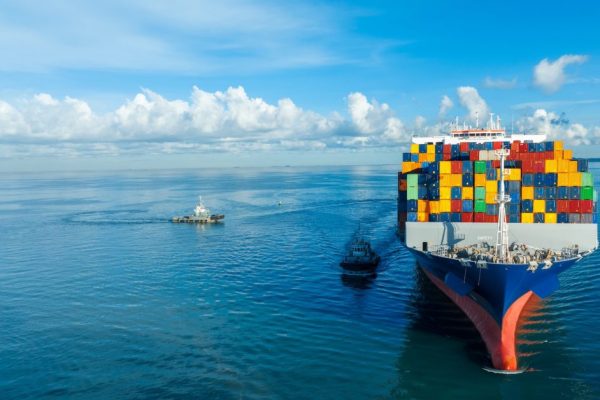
[[494, 313]]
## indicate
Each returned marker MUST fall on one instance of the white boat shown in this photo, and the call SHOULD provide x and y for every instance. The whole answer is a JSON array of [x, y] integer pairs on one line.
[[201, 215]]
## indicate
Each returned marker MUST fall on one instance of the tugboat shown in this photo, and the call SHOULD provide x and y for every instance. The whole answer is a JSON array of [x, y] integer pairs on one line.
[[201, 215], [360, 256]]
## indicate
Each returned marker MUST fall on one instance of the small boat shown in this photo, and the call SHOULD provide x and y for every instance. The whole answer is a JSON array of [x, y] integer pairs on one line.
[[360, 256], [201, 215]]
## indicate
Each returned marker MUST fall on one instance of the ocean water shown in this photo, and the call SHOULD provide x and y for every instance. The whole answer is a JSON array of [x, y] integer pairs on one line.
[[101, 297]]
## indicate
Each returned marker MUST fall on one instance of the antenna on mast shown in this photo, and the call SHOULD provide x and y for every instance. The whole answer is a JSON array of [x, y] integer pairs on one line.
[[477, 119], [492, 121]]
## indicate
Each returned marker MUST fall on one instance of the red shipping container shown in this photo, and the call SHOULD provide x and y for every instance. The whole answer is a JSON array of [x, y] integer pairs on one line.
[[447, 149], [456, 167], [515, 146], [523, 148], [497, 145], [455, 205], [474, 155], [466, 217], [562, 206], [574, 206], [491, 218], [549, 155], [496, 163], [464, 146], [526, 166], [587, 206], [539, 166], [479, 217]]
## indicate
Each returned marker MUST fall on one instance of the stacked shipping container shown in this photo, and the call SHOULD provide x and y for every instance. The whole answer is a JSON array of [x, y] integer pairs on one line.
[[459, 183]]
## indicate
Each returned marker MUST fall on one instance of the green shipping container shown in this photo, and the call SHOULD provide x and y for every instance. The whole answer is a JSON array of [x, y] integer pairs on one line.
[[586, 179], [480, 167], [480, 206], [412, 180], [480, 194], [587, 193], [412, 193]]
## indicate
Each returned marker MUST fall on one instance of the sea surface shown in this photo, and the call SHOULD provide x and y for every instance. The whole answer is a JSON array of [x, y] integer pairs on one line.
[[102, 298]]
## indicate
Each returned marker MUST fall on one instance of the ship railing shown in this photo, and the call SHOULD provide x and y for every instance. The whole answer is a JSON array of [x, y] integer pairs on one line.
[[441, 250]]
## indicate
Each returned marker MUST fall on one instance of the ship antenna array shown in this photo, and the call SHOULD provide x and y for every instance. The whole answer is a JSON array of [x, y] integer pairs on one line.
[[502, 199]]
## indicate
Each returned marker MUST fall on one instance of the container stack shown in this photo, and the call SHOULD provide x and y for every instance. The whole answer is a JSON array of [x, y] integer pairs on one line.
[[459, 183]]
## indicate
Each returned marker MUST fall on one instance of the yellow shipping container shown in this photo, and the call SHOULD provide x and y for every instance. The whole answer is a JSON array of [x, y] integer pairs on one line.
[[414, 148], [514, 174], [550, 218], [434, 206], [563, 165], [430, 149], [567, 154], [445, 206], [430, 157], [456, 179], [558, 145], [575, 179], [445, 193], [558, 154], [572, 166], [491, 186], [445, 180], [527, 218], [527, 192], [551, 166], [445, 167], [539, 206], [422, 217], [422, 206], [479, 179], [563, 179], [490, 198], [467, 193]]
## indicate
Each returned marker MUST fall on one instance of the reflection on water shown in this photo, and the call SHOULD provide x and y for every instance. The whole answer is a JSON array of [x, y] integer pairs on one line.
[[360, 281]]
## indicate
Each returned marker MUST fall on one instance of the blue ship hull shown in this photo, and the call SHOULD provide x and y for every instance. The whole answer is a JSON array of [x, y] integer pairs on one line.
[[493, 296]]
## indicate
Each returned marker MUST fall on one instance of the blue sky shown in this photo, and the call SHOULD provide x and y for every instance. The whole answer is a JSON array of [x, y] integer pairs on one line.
[[108, 81]]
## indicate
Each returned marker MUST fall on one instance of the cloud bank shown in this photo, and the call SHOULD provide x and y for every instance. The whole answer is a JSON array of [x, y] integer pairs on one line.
[[550, 75], [229, 120]]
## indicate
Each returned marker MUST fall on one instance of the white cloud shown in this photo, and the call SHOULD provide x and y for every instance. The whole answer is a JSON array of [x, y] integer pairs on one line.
[[474, 103], [498, 83], [371, 117], [220, 121], [445, 105], [557, 126], [550, 75]]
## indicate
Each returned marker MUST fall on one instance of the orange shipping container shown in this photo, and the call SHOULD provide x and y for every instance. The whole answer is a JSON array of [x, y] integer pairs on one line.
[[456, 179], [567, 154], [422, 157], [445, 180], [563, 165], [558, 154], [467, 193], [572, 166], [434, 207], [563, 179], [490, 198], [479, 179], [422, 206], [422, 217], [430, 157], [527, 192], [575, 179]]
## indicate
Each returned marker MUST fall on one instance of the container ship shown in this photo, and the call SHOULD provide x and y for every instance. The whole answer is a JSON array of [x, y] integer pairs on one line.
[[493, 219]]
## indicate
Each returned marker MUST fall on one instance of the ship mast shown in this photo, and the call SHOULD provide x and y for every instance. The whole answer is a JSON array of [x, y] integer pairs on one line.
[[502, 199]]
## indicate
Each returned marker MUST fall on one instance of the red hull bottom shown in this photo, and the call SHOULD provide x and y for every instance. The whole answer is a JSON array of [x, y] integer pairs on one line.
[[499, 340]]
